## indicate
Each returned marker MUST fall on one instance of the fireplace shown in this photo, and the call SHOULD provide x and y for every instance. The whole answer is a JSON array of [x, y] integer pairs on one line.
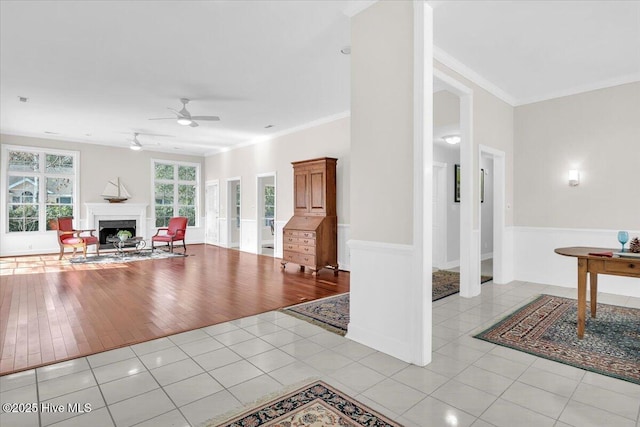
[[108, 230], [129, 216]]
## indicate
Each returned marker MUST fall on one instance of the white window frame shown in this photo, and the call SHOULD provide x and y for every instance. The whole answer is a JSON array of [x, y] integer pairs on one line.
[[176, 183], [5, 173]]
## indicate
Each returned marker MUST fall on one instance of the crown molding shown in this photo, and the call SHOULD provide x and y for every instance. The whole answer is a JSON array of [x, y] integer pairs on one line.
[[261, 139], [460, 68], [603, 84]]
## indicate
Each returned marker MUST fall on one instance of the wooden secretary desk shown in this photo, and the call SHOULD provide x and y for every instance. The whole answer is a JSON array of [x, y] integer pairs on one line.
[[311, 236]]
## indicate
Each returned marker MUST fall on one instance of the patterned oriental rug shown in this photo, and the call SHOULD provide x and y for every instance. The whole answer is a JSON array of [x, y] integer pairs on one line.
[[546, 327], [332, 313], [445, 283], [115, 258], [314, 405]]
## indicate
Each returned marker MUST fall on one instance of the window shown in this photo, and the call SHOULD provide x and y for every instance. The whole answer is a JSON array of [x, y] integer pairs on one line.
[[269, 204], [176, 187], [41, 185]]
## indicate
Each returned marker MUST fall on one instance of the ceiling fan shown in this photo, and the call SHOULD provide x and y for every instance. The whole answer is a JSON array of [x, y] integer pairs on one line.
[[185, 118], [135, 143]]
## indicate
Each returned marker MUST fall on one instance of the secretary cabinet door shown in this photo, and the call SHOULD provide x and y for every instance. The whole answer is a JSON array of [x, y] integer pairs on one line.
[[300, 190], [318, 191]]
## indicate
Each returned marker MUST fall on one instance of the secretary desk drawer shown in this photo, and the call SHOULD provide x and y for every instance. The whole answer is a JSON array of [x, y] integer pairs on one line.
[[300, 233], [302, 259]]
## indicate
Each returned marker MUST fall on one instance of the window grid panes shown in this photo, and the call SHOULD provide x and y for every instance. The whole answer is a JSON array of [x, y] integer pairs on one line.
[[41, 187], [176, 187]]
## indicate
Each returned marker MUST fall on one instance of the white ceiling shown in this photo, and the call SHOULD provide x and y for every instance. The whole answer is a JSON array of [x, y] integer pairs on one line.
[[96, 71]]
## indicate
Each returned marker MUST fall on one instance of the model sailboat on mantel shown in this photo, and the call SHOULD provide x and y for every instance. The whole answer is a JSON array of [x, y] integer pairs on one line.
[[115, 192]]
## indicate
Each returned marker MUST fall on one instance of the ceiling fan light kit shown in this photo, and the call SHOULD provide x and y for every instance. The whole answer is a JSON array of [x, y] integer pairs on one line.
[[185, 118]]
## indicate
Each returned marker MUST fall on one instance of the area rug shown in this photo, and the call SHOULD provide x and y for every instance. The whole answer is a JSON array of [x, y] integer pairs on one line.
[[115, 258], [547, 326], [314, 405], [445, 283], [330, 313]]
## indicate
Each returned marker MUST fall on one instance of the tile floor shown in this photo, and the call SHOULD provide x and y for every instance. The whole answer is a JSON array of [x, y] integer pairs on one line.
[[188, 378]]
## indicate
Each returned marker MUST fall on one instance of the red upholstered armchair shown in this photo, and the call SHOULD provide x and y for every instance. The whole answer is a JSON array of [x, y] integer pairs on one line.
[[70, 238], [175, 231]]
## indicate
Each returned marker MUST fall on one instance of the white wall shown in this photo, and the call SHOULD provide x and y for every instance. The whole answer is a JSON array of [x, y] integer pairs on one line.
[[98, 163], [451, 156], [391, 163], [327, 139], [597, 133]]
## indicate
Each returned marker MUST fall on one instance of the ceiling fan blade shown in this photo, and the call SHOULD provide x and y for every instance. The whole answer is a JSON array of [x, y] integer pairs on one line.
[[194, 124], [206, 118]]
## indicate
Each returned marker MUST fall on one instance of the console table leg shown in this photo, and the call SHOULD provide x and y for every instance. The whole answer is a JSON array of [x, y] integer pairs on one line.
[[582, 295], [593, 285]]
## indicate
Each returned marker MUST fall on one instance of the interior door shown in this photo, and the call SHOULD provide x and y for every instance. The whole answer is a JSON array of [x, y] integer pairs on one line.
[[212, 195]]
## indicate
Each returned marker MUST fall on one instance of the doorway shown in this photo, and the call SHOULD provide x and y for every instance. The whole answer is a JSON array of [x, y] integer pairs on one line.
[[212, 200], [266, 213], [439, 215], [234, 212]]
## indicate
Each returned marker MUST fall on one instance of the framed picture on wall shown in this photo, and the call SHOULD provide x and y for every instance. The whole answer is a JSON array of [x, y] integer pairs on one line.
[[456, 182], [481, 185]]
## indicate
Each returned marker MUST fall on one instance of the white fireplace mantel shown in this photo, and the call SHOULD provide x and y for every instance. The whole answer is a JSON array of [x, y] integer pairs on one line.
[[97, 212]]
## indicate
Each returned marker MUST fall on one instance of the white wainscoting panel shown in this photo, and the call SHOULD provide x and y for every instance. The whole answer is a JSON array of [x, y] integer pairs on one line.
[[224, 232], [344, 258], [278, 230], [381, 303], [536, 261], [249, 235], [15, 244]]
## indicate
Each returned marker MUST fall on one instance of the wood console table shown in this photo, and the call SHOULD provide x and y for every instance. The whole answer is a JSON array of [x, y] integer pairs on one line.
[[593, 264]]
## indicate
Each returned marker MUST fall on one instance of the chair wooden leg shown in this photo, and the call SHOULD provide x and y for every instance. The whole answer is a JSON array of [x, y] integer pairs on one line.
[[84, 251], [61, 253], [171, 246], [184, 245]]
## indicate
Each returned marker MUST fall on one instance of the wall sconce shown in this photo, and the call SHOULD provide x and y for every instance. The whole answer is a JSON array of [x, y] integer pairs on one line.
[[574, 177]]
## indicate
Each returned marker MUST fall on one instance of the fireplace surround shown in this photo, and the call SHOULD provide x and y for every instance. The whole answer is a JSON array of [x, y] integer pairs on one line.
[[133, 214]]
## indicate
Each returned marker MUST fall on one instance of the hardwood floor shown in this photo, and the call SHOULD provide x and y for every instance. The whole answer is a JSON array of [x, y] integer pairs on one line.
[[51, 310]]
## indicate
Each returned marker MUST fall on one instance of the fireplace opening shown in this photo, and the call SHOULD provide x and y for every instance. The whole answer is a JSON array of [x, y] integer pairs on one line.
[[109, 231]]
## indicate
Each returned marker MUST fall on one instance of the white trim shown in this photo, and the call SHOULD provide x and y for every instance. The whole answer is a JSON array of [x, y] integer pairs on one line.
[[420, 322], [4, 184], [469, 244], [499, 209], [603, 84], [446, 59], [117, 211], [442, 196], [230, 243], [198, 167], [207, 240], [354, 7], [388, 248], [265, 138], [260, 208]]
